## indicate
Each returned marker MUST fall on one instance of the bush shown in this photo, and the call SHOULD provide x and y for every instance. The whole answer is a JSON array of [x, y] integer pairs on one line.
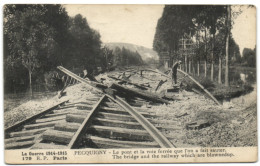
[[205, 82]]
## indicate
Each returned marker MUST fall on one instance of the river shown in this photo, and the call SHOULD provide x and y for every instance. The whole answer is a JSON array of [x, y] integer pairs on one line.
[[246, 76]]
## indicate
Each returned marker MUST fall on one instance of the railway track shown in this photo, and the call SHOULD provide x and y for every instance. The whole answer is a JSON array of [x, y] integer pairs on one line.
[[98, 121]]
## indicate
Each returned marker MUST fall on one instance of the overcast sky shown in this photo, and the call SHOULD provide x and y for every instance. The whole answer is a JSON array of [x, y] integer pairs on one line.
[[136, 24], [244, 28], [121, 23]]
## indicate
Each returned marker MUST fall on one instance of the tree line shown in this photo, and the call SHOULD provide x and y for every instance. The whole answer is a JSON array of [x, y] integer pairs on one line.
[[199, 33], [249, 57], [121, 57], [38, 38]]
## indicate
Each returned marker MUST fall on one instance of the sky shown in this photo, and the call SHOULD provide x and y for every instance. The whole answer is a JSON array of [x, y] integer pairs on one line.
[[121, 23], [244, 28], [136, 24]]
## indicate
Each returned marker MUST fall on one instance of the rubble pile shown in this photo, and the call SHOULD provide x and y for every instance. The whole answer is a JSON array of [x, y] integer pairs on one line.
[[194, 120]]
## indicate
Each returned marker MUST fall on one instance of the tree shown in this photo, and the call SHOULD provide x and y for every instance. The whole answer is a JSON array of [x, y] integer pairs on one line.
[[235, 56], [125, 57], [107, 55], [174, 22], [85, 45], [212, 23], [249, 57], [183, 19], [228, 27], [40, 37], [219, 50], [31, 39]]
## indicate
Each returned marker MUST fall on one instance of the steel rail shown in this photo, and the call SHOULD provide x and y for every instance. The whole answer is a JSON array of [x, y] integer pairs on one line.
[[190, 77], [32, 118], [202, 87], [155, 134], [69, 73], [158, 72], [136, 72], [84, 125]]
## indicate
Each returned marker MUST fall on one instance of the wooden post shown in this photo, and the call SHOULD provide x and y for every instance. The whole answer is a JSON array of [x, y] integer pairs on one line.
[[205, 65], [219, 70], [186, 64], [228, 25], [189, 66], [212, 58], [67, 77], [205, 68], [30, 84], [198, 68], [71, 80], [57, 75]]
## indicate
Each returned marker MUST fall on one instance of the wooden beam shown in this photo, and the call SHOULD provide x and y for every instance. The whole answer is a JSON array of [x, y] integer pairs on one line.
[[160, 84], [48, 146], [127, 134], [112, 116], [145, 95], [111, 143], [19, 145], [28, 132], [117, 123], [128, 82], [65, 126], [55, 118], [41, 125], [19, 139], [57, 136]]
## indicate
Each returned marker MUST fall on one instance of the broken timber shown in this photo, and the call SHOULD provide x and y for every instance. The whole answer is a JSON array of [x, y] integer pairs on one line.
[[155, 71], [144, 95], [128, 82], [186, 74], [136, 72], [91, 83], [160, 84]]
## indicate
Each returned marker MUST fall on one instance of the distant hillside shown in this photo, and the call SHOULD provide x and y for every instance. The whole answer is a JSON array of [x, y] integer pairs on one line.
[[146, 53]]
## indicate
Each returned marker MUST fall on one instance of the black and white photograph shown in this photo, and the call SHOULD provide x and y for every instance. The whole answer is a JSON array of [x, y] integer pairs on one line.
[[110, 79]]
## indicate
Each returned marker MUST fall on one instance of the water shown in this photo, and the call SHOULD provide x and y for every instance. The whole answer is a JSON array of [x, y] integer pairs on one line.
[[246, 99], [244, 76], [238, 76]]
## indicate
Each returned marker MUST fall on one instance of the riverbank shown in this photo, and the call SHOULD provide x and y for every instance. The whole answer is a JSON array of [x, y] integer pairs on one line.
[[219, 91]]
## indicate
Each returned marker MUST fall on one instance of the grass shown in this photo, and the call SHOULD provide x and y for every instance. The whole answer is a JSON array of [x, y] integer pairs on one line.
[[223, 92]]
